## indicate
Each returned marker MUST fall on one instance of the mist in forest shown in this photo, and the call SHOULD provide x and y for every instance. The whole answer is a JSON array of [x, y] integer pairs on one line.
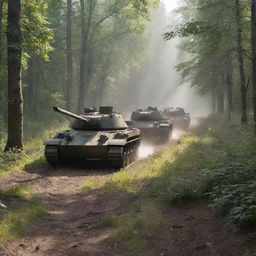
[[156, 83]]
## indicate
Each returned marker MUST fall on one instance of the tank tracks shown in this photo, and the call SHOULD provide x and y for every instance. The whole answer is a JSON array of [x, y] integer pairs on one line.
[[51, 154], [126, 155]]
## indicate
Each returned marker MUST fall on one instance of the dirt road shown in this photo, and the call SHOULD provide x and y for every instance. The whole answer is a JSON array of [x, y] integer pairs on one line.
[[73, 224]]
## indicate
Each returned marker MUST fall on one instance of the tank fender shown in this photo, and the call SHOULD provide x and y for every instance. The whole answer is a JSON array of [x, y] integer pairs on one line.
[[53, 142], [116, 142]]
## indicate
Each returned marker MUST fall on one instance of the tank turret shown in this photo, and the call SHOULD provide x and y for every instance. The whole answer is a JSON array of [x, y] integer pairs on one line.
[[104, 119], [149, 114]]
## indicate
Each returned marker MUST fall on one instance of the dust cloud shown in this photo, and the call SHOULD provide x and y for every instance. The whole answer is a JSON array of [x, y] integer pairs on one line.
[[145, 150]]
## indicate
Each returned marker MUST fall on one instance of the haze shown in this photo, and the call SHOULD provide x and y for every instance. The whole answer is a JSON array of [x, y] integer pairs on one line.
[[156, 83]]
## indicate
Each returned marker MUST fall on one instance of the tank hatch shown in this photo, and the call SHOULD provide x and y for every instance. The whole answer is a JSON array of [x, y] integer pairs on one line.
[[149, 114]]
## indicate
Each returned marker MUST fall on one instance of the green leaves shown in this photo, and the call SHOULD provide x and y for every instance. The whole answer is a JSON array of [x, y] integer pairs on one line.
[[188, 29], [37, 35], [208, 29], [237, 202]]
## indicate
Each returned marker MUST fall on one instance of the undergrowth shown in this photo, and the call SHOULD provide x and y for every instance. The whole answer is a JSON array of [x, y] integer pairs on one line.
[[15, 160], [17, 210], [216, 161]]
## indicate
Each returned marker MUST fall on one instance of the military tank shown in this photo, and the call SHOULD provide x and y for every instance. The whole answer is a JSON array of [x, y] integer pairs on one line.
[[154, 128], [178, 116], [101, 135]]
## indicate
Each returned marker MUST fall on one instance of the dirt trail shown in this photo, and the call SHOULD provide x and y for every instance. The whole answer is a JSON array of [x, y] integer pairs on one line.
[[73, 224]]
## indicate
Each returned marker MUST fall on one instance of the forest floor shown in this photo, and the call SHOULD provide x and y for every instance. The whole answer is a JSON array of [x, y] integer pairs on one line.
[[74, 223]]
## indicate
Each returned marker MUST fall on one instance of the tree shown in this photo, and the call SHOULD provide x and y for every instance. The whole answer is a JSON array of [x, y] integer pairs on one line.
[[241, 64], [2, 67], [1, 27], [99, 16], [253, 45], [85, 30], [229, 85], [69, 92], [15, 99], [216, 47]]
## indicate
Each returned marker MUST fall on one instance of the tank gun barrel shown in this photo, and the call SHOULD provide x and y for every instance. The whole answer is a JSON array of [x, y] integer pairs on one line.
[[67, 113]]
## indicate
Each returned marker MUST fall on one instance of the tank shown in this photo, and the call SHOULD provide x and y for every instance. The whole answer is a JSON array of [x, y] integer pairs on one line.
[[94, 135], [154, 128], [178, 116]]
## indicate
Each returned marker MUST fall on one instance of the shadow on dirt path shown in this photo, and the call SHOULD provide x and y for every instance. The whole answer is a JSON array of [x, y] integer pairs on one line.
[[72, 227], [73, 224]]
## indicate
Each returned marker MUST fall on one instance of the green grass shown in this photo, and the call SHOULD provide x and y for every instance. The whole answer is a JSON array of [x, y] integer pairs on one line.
[[32, 156], [21, 210], [14, 222], [216, 160], [20, 191]]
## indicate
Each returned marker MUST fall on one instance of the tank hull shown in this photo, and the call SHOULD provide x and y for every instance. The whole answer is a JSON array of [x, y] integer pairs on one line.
[[155, 135], [119, 152], [180, 119], [83, 152], [154, 128]]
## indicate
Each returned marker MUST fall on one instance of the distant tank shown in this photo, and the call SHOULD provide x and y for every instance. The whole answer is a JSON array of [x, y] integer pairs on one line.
[[101, 135], [178, 116], [154, 128]]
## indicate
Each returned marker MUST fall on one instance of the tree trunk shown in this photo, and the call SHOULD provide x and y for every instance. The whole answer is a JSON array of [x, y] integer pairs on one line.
[[101, 89], [69, 92], [214, 96], [1, 28], [253, 31], [15, 99], [85, 30], [1, 50], [229, 87], [220, 100], [82, 75], [241, 65]]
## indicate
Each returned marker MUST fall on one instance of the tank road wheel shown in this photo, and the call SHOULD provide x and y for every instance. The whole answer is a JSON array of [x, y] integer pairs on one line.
[[130, 157], [135, 153], [116, 156], [51, 154], [121, 161], [125, 159], [122, 158]]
